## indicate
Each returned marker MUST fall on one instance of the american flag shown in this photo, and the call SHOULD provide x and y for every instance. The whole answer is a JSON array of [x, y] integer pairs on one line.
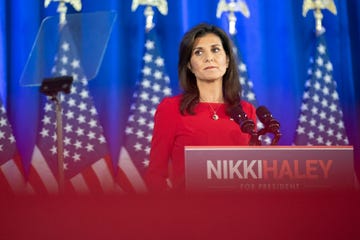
[[87, 164], [321, 118], [153, 86], [12, 178], [248, 93]]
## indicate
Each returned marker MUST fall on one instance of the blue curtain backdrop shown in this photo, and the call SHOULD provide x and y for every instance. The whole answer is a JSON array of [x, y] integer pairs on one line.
[[276, 42]]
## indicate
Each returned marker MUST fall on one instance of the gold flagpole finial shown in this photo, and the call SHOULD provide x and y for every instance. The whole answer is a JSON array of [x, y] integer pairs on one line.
[[161, 5], [62, 8], [231, 8], [317, 6]]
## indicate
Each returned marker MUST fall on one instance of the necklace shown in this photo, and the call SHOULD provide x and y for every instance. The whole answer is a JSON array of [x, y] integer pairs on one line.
[[214, 116]]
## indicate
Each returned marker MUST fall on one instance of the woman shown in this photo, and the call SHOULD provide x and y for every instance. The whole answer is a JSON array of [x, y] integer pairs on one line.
[[200, 116]]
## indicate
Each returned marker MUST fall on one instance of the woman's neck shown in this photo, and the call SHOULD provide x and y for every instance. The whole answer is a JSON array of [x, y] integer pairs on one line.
[[211, 92]]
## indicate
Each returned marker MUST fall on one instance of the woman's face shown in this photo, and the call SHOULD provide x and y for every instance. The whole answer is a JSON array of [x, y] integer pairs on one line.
[[208, 61]]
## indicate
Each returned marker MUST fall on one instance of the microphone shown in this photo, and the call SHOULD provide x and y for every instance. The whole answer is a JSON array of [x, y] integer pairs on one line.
[[246, 125], [271, 125]]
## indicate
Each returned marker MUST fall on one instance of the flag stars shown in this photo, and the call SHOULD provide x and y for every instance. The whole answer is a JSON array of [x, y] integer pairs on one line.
[[311, 134], [145, 83], [330, 132], [67, 141], [137, 146], [329, 66], [78, 144], [81, 119], [333, 107], [316, 98], [102, 139], [65, 46], [84, 94], [93, 123], [46, 120], [91, 135], [324, 103], [156, 88], [89, 147], [12, 138], [80, 132], [3, 122], [327, 78], [321, 49], [318, 74], [155, 100], [146, 71], [69, 115], [64, 60], [320, 61], [141, 121], [76, 157], [314, 110], [321, 127], [335, 96], [140, 134], [159, 62], [242, 67], [148, 58], [75, 64], [320, 140], [158, 75], [322, 115], [63, 72], [144, 96], [302, 118], [44, 133], [300, 130], [313, 122], [167, 91], [48, 107], [149, 45], [325, 91], [53, 150], [82, 106], [93, 111], [129, 130], [68, 128], [142, 108]]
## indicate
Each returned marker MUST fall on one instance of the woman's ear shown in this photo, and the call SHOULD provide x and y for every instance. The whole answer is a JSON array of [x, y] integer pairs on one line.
[[189, 66]]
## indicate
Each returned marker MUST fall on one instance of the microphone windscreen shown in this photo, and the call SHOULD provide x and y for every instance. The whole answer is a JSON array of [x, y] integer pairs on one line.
[[263, 114]]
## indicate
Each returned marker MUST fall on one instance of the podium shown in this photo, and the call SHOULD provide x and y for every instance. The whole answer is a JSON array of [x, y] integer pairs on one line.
[[269, 168]]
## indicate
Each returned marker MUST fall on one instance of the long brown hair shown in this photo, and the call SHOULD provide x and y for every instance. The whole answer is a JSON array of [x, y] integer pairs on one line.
[[231, 83]]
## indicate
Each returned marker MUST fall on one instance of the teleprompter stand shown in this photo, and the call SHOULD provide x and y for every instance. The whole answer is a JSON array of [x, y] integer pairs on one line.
[[52, 87], [88, 34]]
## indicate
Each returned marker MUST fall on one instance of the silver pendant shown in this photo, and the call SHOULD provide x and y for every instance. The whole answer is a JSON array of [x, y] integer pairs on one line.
[[215, 117]]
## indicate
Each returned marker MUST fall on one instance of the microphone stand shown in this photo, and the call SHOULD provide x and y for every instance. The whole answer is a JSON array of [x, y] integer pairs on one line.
[[254, 139], [276, 133]]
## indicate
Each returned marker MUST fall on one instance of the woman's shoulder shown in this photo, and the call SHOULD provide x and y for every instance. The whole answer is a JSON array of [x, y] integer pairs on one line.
[[172, 99], [170, 103], [246, 105]]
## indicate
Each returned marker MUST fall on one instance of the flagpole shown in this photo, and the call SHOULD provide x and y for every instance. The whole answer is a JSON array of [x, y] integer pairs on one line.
[[230, 8], [161, 5], [317, 6]]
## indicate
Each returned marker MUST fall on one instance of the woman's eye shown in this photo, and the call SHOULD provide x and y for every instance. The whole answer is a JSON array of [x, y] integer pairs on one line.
[[216, 50], [198, 52]]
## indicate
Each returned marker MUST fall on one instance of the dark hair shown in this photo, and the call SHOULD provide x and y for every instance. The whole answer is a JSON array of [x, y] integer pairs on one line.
[[231, 83]]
